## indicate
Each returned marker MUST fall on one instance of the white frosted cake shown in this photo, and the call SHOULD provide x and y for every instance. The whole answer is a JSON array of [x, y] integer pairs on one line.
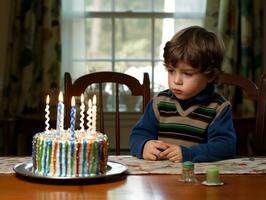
[[54, 153]]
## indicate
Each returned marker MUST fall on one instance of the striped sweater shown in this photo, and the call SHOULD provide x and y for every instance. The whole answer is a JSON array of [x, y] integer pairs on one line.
[[190, 124], [205, 120]]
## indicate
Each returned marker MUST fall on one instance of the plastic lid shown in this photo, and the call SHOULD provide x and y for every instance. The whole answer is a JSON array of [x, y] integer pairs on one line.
[[188, 164], [213, 170]]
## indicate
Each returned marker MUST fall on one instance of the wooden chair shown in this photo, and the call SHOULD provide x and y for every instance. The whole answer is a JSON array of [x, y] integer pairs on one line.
[[245, 124], [100, 78]]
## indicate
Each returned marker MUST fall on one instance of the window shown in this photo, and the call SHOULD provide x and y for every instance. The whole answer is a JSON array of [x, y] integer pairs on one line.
[[123, 35]]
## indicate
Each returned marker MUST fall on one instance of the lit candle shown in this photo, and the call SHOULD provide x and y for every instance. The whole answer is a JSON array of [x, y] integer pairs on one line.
[[94, 111], [60, 113], [89, 116], [47, 113], [73, 118], [82, 110]]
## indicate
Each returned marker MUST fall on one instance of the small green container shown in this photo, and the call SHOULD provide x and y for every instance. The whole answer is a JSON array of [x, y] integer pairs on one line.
[[188, 175], [212, 175]]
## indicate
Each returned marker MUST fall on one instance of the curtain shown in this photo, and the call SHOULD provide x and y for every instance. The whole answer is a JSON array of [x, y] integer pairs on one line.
[[33, 56], [239, 23], [74, 42]]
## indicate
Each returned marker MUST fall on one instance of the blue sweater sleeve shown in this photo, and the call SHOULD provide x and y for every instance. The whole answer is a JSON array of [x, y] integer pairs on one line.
[[221, 141], [145, 129]]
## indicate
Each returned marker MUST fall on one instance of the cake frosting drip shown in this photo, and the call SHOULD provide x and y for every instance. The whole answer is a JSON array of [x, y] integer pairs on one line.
[[54, 153]]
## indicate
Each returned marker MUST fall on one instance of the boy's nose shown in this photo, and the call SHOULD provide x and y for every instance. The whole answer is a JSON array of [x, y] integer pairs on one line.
[[178, 80]]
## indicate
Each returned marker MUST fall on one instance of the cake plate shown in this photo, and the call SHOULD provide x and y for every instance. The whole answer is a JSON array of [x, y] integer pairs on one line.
[[115, 171]]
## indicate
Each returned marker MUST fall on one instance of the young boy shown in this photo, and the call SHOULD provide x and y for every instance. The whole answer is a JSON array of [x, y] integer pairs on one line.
[[190, 110]]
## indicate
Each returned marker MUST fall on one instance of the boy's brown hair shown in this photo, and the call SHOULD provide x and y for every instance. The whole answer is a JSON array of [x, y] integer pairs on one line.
[[196, 46]]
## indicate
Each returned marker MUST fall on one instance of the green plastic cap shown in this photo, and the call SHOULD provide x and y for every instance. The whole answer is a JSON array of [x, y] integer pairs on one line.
[[188, 164]]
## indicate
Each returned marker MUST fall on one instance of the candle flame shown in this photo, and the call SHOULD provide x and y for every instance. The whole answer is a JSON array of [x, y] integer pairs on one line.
[[60, 98], [82, 98], [73, 101], [94, 99], [47, 99]]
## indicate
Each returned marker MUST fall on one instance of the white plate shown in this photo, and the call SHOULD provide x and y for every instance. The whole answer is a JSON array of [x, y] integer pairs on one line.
[[26, 170], [212, 184]]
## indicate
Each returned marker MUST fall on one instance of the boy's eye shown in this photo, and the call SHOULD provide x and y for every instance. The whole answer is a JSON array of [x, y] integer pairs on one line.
[[170, 70], [188, 73]]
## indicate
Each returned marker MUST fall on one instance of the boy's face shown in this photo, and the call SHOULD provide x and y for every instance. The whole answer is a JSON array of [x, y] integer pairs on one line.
[[185, 81]]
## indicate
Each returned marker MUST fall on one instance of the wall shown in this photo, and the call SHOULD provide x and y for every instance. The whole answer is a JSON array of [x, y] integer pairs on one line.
[[4, 10], [264, 37], [4, 21]]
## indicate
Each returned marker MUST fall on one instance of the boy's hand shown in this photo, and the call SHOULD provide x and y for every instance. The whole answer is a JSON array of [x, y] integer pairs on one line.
[[153, 148], [173, 153]]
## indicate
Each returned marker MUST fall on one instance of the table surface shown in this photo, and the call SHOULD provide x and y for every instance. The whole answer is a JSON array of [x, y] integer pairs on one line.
[[140, 183], [137, 187]]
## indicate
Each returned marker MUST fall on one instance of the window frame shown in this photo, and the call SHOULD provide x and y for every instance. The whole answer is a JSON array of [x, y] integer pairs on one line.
[[152, 15]]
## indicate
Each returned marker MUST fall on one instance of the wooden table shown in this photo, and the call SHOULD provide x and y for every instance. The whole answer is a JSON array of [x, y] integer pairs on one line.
[[137, 187]]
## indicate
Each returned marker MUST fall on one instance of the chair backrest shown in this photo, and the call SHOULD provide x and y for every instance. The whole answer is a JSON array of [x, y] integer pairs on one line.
[[244, 124], [100, 78]]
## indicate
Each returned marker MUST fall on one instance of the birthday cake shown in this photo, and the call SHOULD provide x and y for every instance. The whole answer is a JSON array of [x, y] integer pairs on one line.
[[55, 154], [69, 153]]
